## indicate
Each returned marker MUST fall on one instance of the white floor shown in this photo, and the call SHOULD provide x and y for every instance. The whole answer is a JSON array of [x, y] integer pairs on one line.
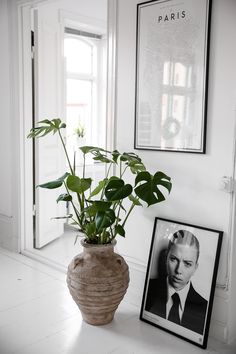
[[63, 249], [60, 251], [38, 316]]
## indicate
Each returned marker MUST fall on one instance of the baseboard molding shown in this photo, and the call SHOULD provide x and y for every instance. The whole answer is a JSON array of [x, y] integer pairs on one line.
[[7, 239], [218, 330], [35, 255], [218, 327]]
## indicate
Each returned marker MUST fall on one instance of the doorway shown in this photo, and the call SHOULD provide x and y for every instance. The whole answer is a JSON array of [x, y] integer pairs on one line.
[[54, 87]]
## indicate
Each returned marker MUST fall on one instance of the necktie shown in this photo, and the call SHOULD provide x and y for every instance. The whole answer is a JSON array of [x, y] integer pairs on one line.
[[174, 311]]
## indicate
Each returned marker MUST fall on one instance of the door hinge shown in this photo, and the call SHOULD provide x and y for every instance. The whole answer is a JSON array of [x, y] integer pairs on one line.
[[34, 210], [32, 44], [32, 38]]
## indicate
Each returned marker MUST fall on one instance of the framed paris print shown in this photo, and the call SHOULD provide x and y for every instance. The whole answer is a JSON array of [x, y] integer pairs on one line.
[[172, 52], [181, 278]]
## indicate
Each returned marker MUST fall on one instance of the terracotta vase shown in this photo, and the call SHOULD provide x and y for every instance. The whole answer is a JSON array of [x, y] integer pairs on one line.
[[98, 279]]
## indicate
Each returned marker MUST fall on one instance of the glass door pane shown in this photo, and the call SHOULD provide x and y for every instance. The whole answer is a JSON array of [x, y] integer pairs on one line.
[[79, 114]]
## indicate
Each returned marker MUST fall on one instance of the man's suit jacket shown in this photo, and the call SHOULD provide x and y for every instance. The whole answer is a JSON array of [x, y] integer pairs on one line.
[[195, 306]]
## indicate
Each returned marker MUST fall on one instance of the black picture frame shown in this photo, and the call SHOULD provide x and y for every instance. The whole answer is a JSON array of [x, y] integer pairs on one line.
[[198, 284], [171, 84]]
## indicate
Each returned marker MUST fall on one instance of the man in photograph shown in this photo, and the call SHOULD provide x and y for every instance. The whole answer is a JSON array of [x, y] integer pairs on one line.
[[173, 296]]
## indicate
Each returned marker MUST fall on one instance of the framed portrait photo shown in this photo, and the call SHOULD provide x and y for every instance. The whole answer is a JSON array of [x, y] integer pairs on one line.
[[172, 56], [181, 278]]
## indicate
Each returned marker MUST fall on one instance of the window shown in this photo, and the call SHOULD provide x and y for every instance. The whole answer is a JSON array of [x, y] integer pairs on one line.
[[85, 68]]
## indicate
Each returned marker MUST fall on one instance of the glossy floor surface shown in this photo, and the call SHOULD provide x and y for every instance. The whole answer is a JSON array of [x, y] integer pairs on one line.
[[38, 316], [63, 249]]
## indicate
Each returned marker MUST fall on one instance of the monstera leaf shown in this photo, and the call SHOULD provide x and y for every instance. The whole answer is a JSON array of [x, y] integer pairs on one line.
[[147, 186], [136, 166], [97, 206], [46, 126], [115, 155], [99, 188], [104, 216], [120, 230], [98, 153], [104, 219], [65, 197], [133, 161], [90, 228], [78, 185], [116, 189], [54, 184]]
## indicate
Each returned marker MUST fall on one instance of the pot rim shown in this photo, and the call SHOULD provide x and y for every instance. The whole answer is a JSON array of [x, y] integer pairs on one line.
[[94, 245]]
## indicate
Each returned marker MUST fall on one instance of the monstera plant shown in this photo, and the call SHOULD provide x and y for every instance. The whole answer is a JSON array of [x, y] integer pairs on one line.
[[100, 212]]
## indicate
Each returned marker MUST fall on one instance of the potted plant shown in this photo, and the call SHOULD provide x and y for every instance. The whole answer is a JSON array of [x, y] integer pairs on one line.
[[98, 278], [80, 131]]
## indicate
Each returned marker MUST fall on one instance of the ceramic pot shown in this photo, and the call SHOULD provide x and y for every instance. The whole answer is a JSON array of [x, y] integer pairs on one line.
[[98, 279]]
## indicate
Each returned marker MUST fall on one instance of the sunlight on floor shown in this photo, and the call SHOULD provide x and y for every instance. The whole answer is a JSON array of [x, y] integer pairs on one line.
[[63, 249]]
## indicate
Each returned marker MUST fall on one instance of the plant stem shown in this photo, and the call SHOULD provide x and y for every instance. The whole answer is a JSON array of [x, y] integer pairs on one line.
[[75, 210], [64, 147], [83, 196], [74, 162], [108, 171], [118, 214], [131, 208], [124, 171], [84, 166], [104, 239], [73, 173], [112, 235]]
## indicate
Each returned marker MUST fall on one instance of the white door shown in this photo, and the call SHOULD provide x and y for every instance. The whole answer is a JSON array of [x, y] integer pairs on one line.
[[48, 153]]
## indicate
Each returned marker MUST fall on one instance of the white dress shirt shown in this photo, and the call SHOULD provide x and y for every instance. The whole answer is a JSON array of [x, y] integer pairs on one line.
[[182, 296]]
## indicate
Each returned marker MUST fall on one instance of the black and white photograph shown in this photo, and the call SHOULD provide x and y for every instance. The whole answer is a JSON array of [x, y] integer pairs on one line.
[[180, 279], [171, 75]]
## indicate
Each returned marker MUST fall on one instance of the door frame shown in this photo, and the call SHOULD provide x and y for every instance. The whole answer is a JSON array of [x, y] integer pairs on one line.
[[24, 8]]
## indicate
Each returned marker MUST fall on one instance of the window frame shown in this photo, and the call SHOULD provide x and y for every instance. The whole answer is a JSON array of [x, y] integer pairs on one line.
[[97, 132]]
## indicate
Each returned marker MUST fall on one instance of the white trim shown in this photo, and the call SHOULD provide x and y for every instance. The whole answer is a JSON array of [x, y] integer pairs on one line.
[[25, 99], [111, 73], [11, 226], [34, 264], [232, 215], [82, 22], [7, 239], [33, 3], [33, 254]]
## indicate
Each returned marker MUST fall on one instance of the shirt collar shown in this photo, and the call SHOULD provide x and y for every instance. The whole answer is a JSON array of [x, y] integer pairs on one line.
[[182, 293]]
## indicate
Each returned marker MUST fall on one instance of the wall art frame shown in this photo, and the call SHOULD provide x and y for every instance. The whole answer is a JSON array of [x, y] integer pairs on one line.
[[178, 264], [172, 60]]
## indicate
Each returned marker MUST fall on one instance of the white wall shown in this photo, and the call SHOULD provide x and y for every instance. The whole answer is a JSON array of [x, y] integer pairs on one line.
[[196, 197], [6, 210], [89, 8]]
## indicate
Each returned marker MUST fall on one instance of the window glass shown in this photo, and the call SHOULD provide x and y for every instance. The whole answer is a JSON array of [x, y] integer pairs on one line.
[[78, 55], [85, 86], [79, 113], [78, 92]]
